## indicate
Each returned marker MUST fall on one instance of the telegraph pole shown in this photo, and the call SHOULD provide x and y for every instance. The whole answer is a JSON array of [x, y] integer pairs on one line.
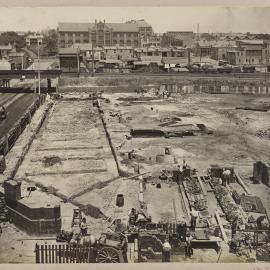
[[38, 70]]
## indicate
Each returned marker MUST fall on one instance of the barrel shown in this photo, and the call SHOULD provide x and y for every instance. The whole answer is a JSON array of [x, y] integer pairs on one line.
[[120, 200], [168, 150]]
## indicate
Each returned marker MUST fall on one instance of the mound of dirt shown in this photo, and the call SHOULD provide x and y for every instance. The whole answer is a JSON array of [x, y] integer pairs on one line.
[[51, 160]]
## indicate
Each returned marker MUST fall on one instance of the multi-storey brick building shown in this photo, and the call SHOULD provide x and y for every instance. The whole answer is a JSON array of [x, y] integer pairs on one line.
[[250, 52], [103, 34]]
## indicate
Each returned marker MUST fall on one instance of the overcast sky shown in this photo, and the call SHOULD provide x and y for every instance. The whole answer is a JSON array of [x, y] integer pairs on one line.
[[212, 19]]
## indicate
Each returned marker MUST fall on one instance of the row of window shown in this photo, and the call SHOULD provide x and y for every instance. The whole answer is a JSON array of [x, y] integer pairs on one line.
[[100, 33]]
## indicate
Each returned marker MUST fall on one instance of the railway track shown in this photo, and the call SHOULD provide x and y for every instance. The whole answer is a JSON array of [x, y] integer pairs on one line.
[[15, 110]]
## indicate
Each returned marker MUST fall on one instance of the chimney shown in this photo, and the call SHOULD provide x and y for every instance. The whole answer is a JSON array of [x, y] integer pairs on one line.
[[104, 21], [95, 21]]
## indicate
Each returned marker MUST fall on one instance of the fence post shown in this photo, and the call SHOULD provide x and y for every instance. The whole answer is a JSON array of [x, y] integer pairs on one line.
[[37, 253]]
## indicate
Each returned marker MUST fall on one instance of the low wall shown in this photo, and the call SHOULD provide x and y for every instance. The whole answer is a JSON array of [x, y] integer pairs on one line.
[[177, 84], [35, 227]]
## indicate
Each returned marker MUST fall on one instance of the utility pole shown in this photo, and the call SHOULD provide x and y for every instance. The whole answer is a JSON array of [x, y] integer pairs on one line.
[[93, 61], [38, 70]]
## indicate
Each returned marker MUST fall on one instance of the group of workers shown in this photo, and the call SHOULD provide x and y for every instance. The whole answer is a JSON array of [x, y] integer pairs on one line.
[[166, 247], [138, 218]]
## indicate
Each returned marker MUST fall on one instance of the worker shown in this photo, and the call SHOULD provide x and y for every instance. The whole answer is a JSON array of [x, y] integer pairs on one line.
[[226, 174], [124, 246], [188, 247], [184, 165], [179, 179], [83, 227], [3, 112], [141, 218], [194, 216], [166, 251], [234, 226], [132, 216], [259, 222]]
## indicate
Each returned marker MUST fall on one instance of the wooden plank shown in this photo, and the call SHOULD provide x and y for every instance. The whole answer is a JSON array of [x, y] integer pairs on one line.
[[72, 253], [50, 255], [37, 253], [46, 254], [42, 254], [68, 253], [136, 251], [77, 255], [202, 185], [53, 255], [241, 183], [56, 254], [224, 236], [60, 253]]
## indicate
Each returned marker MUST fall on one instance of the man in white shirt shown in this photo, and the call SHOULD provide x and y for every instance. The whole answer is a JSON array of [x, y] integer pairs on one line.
[[226, 177], [194, 216], [166, 251]]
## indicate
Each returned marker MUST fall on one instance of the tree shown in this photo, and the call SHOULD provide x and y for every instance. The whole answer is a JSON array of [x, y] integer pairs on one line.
[[50, 40], [12, 38]]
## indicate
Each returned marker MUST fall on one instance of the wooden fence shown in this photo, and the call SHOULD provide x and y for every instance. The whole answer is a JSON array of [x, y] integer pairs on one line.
[[64, 253]]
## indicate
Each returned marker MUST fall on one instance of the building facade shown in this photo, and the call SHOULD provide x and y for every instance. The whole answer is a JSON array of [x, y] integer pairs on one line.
[[179, 38], [159, 52], [250, 52], [101, 34], [33, 40]]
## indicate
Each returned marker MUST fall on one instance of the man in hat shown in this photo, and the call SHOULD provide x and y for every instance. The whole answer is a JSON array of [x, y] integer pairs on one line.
[[188, 248], [166, 251], [124, 246]]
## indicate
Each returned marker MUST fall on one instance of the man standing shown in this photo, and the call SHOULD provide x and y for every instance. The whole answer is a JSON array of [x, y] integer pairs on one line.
[[188, 248], [259, 222], [234, 226], [226, 177], [166, 251], [194, 216], [83, 227], [124, 247]]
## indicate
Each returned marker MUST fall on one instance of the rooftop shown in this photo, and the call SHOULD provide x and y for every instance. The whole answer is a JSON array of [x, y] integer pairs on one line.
[[82, 46], [68, 50], [251, 42], [84, 27], [6, 47]]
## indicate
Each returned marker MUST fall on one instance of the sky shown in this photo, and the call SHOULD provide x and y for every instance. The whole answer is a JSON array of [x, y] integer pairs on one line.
[[162, 19]]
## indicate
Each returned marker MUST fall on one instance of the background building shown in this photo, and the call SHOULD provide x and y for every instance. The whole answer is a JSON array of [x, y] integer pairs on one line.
[[250, 52], [178, 38], [33, 39], [103, 34]]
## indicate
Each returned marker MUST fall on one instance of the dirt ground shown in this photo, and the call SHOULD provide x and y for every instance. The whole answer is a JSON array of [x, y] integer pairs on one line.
[[236, 139], [72, 146]]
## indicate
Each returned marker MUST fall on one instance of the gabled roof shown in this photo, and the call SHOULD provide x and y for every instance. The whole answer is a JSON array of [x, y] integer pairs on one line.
[[139, 23], [251, 42], [84, 27], [117, 48], [6, 47], [74, 27], [68, 51], [82, 46]]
